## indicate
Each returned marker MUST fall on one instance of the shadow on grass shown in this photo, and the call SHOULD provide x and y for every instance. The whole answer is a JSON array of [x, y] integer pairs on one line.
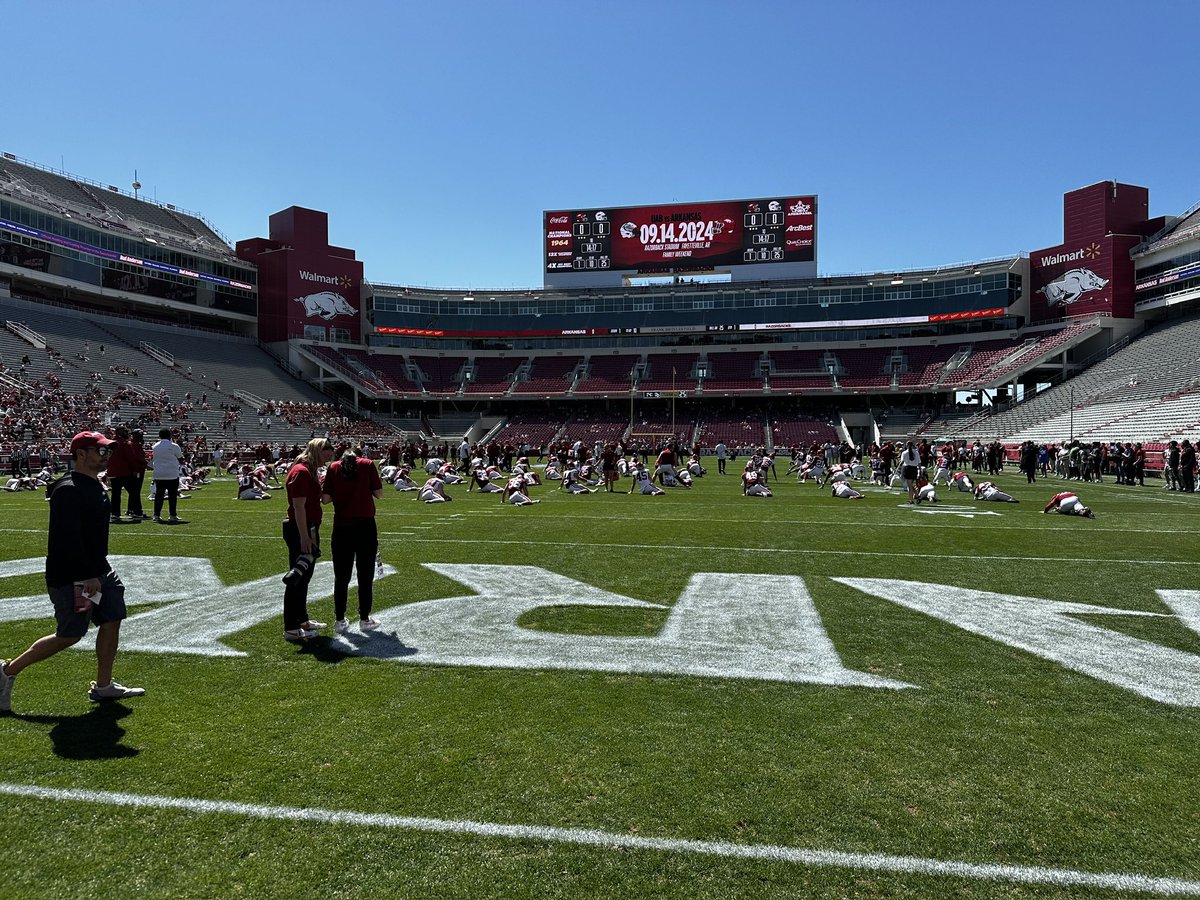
[[95, 734], [376, 645]]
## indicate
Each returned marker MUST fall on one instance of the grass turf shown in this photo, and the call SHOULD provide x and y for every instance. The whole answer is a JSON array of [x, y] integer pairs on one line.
[[997, 756]]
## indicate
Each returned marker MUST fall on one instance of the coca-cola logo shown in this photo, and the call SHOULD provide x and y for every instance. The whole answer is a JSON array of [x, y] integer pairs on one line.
[[559, 220]]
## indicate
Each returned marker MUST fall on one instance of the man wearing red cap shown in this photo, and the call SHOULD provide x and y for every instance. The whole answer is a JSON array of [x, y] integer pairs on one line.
[[82, 585]]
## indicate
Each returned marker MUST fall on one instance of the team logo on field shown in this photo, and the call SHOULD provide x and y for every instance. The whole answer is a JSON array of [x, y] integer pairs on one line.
[[723, 625]]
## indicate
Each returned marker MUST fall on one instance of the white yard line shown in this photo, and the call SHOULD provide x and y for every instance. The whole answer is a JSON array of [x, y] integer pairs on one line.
[[592, 545], [590, 837]]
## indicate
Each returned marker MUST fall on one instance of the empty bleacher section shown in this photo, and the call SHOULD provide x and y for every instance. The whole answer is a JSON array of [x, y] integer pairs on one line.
[[493, 375], [593, 427], [800, 429], [536, 430], [1146, 391], [440, 374], [796, 370], [734, 372], [925, 366], [864, 369], [549, 376], [608, 374], [743, 434], [669, 371]]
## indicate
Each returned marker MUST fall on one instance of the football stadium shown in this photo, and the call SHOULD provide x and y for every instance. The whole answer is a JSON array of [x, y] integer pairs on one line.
[[634, 642]]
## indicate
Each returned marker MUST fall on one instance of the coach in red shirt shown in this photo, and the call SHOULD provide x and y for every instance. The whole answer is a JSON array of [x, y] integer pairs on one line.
[[352, 485]]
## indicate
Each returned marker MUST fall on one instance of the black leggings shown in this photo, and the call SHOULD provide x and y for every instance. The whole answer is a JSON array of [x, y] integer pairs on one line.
[[168, 490], [354, 545], [295, 595]]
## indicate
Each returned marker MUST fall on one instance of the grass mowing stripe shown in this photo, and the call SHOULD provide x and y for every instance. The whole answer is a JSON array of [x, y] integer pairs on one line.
[[594, 545], [915, 865]]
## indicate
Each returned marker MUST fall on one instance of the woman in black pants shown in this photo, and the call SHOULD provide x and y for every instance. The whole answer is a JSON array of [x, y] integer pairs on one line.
[[301, 534], [352, 485]]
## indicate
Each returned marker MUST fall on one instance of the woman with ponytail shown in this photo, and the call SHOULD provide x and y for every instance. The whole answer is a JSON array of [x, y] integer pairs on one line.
[[352, 485], [301, 534]]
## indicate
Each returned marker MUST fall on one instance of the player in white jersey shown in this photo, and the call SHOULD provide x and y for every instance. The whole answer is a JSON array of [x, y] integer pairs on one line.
[[684, 477], [843, 491], [482, 479], [552, 471], [694, 467], [402, 481], [516, 492], [433, 491], [643, 482], [752, 483], [925, 492], [963, 482], [434, 464], [989, 491], [572, 482], [814, 468], [857, 470], [449, 474], [941, 474], [1068, 504]]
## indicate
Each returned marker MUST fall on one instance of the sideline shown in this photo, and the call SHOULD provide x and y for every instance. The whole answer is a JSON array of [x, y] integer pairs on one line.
[[590, 837]]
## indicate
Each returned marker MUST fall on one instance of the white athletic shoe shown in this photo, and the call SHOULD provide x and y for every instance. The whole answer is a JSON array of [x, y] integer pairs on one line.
[[368, 624], [6, 686], [298, 634], [313, 625], [114, 691], [341, 626]]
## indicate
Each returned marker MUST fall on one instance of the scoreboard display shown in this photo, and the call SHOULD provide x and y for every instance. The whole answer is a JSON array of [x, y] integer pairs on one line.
[[681, 236]]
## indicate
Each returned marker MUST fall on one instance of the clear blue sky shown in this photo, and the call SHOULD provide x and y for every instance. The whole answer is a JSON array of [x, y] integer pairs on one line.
[[435, 134]]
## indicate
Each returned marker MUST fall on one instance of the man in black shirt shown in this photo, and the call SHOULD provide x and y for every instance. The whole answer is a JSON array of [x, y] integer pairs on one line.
[[82, 585]]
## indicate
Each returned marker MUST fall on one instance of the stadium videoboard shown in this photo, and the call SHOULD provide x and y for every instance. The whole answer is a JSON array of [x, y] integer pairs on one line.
[[679, 237]]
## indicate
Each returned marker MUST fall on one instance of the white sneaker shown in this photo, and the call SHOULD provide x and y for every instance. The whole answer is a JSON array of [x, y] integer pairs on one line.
[[313, 625], [341, 626], [368, 624], [6, 686], [298, 634], [114, 691]]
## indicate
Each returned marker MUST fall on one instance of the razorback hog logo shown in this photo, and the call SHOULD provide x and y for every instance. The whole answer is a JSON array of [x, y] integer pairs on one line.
[[1071, 286], [326, 304]]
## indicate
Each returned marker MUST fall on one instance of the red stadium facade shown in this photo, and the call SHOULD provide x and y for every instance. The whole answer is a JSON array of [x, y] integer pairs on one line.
[[307, 288], [1091, 272]]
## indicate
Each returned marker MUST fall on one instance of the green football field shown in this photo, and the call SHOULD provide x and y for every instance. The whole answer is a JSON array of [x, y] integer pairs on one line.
[[695, 695]]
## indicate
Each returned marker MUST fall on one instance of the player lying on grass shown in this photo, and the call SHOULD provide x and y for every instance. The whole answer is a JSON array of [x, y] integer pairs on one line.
[[963, 482], [843, 491], [988, 491], [925, 492], [250, 486], [1068, 504], [573, 482]]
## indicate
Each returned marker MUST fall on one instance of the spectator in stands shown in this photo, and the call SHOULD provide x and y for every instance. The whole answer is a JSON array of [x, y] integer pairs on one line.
[[301, 533], [352, 485], [166, 460]]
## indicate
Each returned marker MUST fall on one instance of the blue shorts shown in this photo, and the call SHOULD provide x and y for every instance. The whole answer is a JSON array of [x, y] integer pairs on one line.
[[111, 607]]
